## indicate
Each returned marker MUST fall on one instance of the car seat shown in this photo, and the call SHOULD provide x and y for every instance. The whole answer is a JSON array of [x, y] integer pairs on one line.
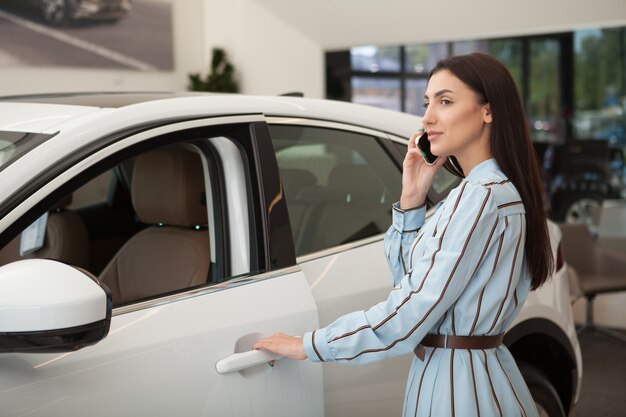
[[173, 252], [65, 239], [356, 206]]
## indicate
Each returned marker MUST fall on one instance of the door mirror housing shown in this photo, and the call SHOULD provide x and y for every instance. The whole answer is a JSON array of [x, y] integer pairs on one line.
[[48, 306]]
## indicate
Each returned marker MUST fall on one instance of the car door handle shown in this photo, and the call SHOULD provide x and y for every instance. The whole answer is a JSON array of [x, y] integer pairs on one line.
[[238, 361]]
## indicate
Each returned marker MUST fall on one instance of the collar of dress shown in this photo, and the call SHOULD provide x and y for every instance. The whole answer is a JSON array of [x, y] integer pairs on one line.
[[488, 165]]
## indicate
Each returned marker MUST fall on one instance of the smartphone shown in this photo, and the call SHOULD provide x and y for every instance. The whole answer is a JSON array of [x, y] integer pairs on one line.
[[423, 144]]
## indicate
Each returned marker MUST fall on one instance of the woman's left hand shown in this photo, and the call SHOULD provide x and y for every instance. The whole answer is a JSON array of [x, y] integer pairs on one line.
[[283, 345]]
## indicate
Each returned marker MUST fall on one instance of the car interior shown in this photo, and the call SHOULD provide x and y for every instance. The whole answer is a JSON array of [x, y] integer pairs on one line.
[[172, 251], [141, 227], [66, 239], [354, 205], [333, 186]]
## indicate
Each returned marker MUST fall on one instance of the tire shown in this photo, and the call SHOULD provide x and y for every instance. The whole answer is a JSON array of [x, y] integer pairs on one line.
[[543, 392], [576, 207]]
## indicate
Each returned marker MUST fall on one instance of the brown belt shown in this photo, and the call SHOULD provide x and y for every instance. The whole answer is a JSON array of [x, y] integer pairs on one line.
[[457, 342]]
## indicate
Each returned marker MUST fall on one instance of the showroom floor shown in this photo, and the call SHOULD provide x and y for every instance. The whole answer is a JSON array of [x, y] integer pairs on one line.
[[604, 376]]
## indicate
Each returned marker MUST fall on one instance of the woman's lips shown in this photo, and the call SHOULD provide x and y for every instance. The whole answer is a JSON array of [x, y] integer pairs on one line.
[[433, 134]]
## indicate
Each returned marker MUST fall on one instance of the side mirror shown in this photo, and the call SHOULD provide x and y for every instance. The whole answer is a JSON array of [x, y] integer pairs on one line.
[[48, 306]]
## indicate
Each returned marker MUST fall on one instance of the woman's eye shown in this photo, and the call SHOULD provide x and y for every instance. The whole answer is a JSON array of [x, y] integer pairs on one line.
[[426, 104], [445, 101]]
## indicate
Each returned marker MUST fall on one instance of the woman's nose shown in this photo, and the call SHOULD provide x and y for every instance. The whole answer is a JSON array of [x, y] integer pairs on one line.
[[429, 116]]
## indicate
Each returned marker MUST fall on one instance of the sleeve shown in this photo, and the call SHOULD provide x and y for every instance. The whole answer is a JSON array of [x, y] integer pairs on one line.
[[400, 236], [395, 326]]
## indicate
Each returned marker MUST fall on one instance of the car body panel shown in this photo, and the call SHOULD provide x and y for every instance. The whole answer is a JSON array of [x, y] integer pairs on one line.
[[161, 360], [341, 283], [37, 118], [164, 107]]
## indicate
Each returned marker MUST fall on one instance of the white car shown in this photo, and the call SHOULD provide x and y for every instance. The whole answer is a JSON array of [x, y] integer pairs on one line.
[[211, 221]]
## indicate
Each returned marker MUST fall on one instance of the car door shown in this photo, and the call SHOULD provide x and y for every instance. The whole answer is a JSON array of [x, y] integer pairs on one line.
[[184, 352], [340, 182]]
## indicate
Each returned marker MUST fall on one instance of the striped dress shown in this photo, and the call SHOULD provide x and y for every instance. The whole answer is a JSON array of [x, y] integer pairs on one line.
[[463, 272]]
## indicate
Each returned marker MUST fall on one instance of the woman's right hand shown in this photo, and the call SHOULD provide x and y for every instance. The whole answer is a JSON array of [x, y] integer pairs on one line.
[[417, 175]]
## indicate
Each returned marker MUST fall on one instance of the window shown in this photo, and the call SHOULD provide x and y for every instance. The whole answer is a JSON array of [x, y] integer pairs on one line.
[[95, 192], [600, 85], [143, 237], [378, 92], [339, 185], [509, 52], [15, 144], [421, 59], [375, 59], [543, 106], [395, 78]]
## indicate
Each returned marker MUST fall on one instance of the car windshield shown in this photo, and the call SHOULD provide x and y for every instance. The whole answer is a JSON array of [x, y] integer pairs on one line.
[[15, 144]]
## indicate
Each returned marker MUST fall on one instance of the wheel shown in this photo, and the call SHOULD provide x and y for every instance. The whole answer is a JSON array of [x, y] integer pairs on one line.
[[57, 12], [545, 395], [578, 207]]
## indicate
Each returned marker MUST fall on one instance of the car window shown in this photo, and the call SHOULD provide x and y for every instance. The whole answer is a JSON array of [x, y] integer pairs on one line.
[[94, 192], [339, 185], [15, 144], [142, 241]]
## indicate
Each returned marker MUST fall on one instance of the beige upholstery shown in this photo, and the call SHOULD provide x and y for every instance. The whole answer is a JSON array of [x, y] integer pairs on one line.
[[599, 269], [168, 187], [295, 180], [168, 191], [354, 208], [356, 183], [66, 239]]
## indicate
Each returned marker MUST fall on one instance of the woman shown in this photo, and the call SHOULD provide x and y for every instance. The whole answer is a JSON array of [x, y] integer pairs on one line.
[[460, 278]]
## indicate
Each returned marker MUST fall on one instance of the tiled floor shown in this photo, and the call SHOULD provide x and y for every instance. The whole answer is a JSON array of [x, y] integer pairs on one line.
[[603, 392]]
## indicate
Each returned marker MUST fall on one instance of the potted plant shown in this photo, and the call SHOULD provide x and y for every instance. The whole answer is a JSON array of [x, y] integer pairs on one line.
[[220, 79]]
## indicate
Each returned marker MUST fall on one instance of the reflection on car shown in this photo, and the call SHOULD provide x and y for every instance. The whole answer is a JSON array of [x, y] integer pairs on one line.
[[147, 244]]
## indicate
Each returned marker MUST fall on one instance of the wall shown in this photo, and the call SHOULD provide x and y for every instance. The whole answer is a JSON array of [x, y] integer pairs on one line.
[[269, 55]]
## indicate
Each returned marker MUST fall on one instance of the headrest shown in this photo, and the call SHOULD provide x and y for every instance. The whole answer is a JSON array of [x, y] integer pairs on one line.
[[168, 188], [296, 179], [356, 182]]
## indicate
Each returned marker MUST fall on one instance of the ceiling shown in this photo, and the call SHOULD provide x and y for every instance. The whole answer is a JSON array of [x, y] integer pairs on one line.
[[343, 23]]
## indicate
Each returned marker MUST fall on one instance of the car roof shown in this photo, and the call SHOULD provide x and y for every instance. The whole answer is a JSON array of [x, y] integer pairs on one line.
[[48, 112], [95, 99]]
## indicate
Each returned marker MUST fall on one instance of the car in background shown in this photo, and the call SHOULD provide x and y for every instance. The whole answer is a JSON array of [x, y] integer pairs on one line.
[[148, 240], [60, 12], [614, 133], [579, 175]]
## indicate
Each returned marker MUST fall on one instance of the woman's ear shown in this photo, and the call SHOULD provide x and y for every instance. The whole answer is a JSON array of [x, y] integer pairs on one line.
[[487, 117]]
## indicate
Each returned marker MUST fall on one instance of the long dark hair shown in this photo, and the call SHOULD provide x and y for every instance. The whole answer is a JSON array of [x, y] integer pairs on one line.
[[512, 148]]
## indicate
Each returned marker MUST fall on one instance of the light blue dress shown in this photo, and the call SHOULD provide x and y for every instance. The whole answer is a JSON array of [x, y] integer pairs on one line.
[[461, 273]]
